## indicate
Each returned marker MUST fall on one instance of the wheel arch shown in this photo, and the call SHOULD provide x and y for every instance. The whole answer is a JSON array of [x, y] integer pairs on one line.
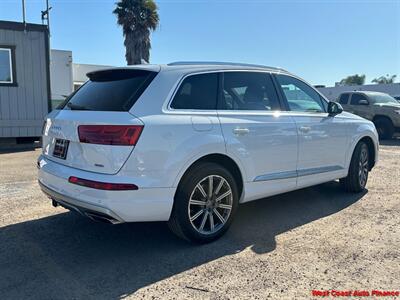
[[372, 149], [222, 159], [377, 117]]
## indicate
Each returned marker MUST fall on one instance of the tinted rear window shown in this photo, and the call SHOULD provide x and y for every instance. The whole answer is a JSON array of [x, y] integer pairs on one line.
[[112, 90], [355, 98], [197, 92], [249, 91], [344, 98]]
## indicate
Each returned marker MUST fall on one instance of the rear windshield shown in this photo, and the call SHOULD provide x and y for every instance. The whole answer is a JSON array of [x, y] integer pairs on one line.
[[111, 90]]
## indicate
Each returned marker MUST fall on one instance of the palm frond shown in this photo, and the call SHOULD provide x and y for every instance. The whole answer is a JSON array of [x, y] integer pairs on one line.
[[137, 19]]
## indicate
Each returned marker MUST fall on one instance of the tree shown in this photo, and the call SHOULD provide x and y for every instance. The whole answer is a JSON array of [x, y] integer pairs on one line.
[[353, 80], [385, 79], [137, 18]]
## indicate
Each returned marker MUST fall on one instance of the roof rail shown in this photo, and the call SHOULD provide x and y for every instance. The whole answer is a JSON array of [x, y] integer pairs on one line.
[[219, 63]]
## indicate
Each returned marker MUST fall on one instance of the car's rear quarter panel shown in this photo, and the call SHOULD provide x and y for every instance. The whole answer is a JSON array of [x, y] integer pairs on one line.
[[169, 144], [171, 139]]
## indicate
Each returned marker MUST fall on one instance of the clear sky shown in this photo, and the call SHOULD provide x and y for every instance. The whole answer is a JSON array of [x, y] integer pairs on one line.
[[321, 41]]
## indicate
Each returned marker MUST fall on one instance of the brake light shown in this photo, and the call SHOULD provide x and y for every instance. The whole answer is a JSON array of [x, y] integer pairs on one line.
[[102, 185], [123, 135], [44, 126]]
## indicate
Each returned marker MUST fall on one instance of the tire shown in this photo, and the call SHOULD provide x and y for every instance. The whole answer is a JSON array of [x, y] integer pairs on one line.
[[385, 128], [357, 177], [197, 217]]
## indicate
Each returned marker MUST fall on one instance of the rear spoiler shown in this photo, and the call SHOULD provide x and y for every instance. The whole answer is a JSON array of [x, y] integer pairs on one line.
[[123, 71]]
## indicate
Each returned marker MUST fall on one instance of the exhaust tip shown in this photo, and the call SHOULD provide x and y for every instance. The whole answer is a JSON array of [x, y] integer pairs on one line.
[[101, 218], [93, 215]]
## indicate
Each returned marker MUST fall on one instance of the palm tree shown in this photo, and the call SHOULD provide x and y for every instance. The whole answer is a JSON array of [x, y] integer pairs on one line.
[[385, 79], [353, 80], [137, 18]]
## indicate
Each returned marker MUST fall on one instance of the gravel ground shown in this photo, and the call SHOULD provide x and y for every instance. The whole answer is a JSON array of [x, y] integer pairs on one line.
[[280, 247]]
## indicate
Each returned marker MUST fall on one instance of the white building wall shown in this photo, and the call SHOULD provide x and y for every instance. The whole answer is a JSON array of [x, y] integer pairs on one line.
[[66, 75], [61, 75], [80, 71]]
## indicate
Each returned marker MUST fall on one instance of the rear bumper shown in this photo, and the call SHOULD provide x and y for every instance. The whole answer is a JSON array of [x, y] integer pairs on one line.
[[92, 211], [144, 204]]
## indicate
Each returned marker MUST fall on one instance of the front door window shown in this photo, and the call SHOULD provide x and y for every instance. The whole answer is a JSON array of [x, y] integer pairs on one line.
[[299, 95]]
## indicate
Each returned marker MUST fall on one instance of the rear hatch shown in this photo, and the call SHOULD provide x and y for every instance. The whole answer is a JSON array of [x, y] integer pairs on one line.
[[93, 130]]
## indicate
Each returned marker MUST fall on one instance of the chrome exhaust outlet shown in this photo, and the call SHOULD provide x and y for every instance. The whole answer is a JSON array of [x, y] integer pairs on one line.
[[93, 215], [101, 218]]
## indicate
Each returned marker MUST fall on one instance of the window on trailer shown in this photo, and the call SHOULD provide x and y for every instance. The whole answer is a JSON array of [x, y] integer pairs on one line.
[[6, 65]]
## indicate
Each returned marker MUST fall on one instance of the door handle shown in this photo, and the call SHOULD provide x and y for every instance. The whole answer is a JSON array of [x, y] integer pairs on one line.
[[241, 131], [305, 129]]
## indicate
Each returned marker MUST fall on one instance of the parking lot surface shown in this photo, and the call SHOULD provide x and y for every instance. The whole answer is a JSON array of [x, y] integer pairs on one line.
[[280, 247]]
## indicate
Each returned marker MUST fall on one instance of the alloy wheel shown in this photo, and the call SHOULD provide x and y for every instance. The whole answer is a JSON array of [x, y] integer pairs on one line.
[[210, 204], [363, 167]]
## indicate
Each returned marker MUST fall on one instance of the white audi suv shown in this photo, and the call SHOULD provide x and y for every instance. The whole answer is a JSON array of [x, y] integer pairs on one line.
[[187, 142]]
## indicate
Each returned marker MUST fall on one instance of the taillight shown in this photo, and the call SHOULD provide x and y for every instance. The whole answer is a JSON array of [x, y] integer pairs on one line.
[[44, 126], [123, 135], [102, 185]]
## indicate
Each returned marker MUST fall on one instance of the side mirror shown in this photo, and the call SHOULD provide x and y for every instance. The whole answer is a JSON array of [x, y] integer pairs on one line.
[[363, 102], [334, 108]]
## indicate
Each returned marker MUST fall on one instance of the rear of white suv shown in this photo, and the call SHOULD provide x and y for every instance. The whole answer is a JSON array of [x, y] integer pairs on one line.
[[87, 143], [187, 143]]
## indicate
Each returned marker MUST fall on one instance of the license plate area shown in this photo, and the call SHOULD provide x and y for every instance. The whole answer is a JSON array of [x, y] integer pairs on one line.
[[60, 148]]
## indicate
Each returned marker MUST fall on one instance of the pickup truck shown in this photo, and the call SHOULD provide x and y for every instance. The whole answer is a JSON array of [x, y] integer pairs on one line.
[[380, 108]]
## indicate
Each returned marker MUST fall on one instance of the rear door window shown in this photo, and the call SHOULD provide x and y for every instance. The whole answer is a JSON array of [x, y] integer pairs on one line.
[[344, 98], [249, 91], [198, 91], [355, 98], [110, 90]]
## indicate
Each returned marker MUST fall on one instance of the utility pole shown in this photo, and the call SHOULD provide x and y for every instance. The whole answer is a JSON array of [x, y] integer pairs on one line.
[[23, 14], [46, 17]]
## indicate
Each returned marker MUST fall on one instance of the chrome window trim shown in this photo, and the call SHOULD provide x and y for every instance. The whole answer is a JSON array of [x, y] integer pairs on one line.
[[169, 109]]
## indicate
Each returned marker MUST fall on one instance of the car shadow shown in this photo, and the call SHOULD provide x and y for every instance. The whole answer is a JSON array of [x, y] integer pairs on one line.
[[392, 142], [5, 149], [67, 256]]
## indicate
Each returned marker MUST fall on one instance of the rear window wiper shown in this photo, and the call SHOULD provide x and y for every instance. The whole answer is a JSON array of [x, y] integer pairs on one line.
[[76, 107]]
